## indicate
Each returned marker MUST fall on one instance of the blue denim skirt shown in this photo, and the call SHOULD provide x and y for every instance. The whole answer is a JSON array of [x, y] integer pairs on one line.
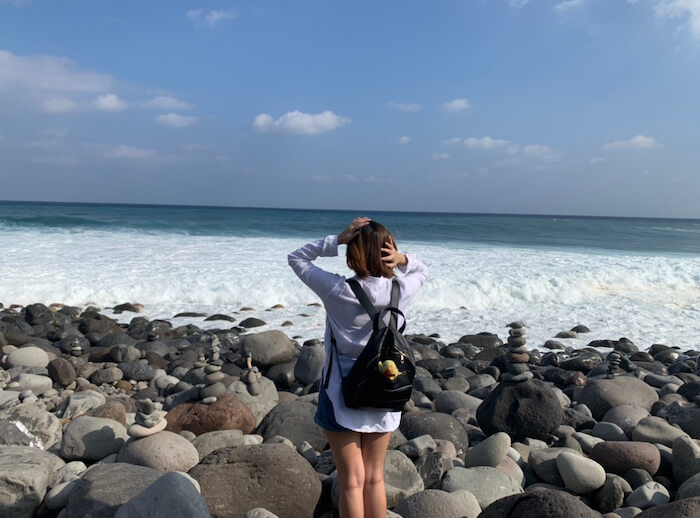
[[325, 417]]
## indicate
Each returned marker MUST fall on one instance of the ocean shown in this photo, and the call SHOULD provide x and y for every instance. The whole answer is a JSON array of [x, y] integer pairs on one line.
[[637, 278]]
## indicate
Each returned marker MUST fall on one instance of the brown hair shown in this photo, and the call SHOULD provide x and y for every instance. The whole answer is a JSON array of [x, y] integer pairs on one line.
[[364, 252]]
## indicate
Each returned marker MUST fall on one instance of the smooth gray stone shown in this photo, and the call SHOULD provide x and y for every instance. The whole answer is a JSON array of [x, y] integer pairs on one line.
[[92, 438], [437, 503], [656, 430], [609, 432], [580, 475], [104, 488], [401, 478], [648, 495], [489, 452], [171, 496], [418, 446], [41, 424], [485, 483], [79, 403], [686, 458], [24, 477], [690, 488]]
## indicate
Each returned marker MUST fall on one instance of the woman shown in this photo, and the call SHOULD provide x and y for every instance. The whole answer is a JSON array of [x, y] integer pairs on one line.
[[358, 437]]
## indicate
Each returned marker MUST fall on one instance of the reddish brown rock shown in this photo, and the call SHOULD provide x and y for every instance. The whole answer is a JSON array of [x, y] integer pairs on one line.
[[226, 413], [620, 456]]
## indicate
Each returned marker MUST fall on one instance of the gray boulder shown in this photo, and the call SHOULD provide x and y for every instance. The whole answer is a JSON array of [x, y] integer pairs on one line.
[[24, 478], [165, 451], [272, 476], [211, 441], [438, 426], [41, 424], [104, 488], [92, 438], [295, 421], [268, 348], [28, 357], [603, 394], [434, 502], [79, 403], [485, 483], [261, 402], [171, 496], [539, 503], [310, 363]]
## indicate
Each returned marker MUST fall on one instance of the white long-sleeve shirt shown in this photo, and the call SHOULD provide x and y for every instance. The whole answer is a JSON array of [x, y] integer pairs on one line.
[[351, 324]]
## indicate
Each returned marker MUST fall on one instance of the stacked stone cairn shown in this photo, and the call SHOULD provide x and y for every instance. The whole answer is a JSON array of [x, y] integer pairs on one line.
[[213, 375], [251, 376], [149, 419], [517, 356], [614, 359]]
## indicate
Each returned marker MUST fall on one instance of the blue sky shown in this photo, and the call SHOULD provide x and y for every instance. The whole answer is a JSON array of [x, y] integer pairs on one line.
[[570, 107]]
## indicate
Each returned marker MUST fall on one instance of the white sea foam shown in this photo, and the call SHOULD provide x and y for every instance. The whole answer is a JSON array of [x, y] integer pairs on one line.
[[646, 298]]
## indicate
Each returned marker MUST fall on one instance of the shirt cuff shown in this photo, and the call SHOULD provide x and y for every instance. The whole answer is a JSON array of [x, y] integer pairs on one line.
[[409, 265], [330, 246]]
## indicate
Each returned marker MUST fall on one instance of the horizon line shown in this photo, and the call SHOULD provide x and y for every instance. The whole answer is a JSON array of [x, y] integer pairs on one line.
[[384, 211]]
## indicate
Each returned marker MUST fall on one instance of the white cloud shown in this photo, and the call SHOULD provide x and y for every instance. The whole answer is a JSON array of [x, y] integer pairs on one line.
[[175, 120], [298, 123], [457, 105], [129, 152], [540, 152], [404, 140], [451, 141], [517, 3], [49, 73], [441, 156], [487, 143], [55, 160], [687, 9], [377, 180], [57, 105], [350, 178], [109, 103], [212, 17], [410, 107], [194, 147], [164, 102], [636, 142], [597, 159], [568, 5]]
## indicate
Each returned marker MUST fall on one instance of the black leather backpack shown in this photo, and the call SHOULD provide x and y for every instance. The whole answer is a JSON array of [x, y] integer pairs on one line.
[[382, 375]]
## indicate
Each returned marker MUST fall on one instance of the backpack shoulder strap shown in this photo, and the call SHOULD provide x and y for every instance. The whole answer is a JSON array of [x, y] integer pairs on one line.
[[394, 303], [362, 297]]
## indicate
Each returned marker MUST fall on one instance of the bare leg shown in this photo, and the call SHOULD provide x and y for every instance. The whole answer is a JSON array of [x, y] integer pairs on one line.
[[347, 452], [374, 446]]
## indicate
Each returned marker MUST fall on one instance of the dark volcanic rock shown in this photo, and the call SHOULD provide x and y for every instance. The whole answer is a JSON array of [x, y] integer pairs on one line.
[[61, 371], [105, 487], [527, 409], [268, 348], [295, 421], [137, 371], [482, 341], [271, 476], [251, 322], [36, 314], [539, 503], [438, 426], [686, 508], [603, 394]]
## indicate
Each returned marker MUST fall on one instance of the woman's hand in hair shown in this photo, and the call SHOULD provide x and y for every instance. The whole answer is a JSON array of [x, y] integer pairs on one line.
[[392, 257], [352, 230]]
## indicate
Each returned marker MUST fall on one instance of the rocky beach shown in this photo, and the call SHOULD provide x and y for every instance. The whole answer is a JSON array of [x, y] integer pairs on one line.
[[129, 417]]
